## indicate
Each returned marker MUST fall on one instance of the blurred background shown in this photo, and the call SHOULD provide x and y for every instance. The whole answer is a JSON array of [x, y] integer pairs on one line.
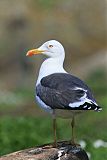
[[80, 25]]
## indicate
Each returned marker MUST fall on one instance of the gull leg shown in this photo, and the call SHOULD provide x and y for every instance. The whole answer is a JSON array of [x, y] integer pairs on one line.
[[54, 129], [72, 125]]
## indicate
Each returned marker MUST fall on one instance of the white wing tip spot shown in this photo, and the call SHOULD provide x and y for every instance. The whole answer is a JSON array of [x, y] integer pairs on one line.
[[100, 109], [85, 106], [95, 109]]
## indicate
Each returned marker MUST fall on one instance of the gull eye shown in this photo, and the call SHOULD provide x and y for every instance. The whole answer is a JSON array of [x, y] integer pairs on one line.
[[50, 46]]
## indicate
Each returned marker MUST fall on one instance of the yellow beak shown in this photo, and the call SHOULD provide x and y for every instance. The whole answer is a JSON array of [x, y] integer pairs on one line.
[[34, 51]]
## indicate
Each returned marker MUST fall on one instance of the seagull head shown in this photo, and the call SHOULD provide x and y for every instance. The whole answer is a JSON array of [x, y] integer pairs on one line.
[[50, 48]]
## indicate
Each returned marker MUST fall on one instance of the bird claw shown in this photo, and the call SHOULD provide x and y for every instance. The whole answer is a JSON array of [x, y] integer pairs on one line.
[[54, 145]]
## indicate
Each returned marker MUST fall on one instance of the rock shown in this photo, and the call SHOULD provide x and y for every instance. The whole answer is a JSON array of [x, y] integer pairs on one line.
[[64, 151]]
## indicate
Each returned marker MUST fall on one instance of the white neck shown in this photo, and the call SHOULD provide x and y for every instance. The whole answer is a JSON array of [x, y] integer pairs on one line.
[[50, 66]]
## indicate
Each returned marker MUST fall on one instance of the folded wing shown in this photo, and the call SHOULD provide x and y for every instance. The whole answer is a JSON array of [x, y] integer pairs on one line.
[[65, 91]]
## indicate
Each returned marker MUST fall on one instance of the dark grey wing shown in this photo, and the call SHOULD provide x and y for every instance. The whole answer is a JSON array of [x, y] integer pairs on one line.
[[64, 91]]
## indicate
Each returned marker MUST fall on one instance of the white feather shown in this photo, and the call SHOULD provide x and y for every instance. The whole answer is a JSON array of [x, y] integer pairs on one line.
[[78, 88], [81, 102]]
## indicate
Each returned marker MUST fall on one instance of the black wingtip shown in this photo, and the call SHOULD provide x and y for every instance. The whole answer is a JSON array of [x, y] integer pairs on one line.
[[87, 106], [98, 109]]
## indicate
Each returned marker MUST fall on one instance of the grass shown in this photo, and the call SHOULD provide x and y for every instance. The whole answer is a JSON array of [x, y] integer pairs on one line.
[[25, 132]]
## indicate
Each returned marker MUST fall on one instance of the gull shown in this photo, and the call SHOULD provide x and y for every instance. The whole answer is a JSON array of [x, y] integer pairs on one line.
[[59, 93]]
